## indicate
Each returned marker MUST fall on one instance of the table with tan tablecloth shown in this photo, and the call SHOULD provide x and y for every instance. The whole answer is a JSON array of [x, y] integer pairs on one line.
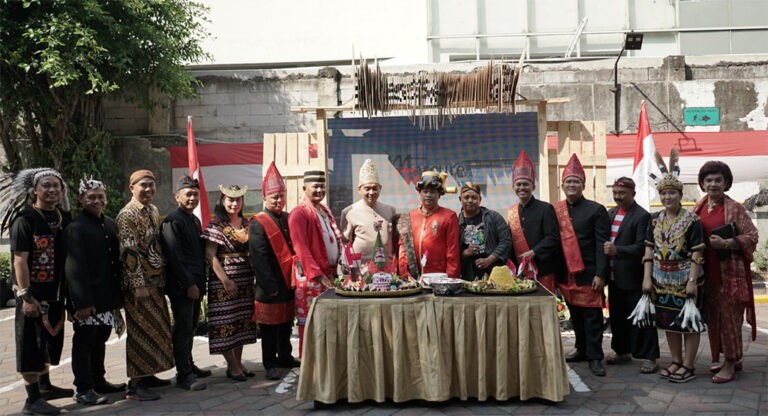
[[433, 348]]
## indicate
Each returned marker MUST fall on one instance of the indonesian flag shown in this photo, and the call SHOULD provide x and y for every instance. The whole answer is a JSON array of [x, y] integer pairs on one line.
[[644, 164], [203, 211]]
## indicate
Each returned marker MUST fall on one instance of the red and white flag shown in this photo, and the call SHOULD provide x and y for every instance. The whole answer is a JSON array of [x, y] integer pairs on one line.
[[644, 164], [203, 211]]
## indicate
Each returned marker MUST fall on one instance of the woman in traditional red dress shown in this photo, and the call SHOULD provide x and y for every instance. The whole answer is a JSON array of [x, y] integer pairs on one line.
[[728, 287]]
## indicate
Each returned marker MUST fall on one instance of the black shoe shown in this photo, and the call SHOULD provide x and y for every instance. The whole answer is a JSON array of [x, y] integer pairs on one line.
[[51, 392], [575, 356], [272, 374], [596, 366], [290, 363], [249, 373], [40, 407], [193, 385], [199, 372], [154, 381], [90, 398], [140, 393], [105, 387], [237, 377]]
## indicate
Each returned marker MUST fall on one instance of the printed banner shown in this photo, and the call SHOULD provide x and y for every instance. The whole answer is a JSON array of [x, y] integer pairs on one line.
[[481, 148]]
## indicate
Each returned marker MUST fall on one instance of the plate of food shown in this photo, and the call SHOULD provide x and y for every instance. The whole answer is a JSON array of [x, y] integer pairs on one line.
[[444, 285], [376, 282], [425, 278], [501, 282]]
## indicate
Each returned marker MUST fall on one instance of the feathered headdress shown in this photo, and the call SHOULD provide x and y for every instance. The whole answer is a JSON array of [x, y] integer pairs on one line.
[[18, 191], [669, 179]]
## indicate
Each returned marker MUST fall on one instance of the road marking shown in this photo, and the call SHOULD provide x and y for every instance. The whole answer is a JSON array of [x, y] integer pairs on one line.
[[7, 318], [576, 382], [761, 330]]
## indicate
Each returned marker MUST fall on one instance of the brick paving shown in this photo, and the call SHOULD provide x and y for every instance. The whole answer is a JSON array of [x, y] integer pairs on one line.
[[624, 391]]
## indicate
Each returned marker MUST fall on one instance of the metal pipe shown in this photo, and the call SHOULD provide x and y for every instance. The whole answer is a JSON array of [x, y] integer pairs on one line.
[[604, 32], [617, 92]]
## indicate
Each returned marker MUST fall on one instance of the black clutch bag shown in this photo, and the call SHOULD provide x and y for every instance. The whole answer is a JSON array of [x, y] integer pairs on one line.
[[725, 232]]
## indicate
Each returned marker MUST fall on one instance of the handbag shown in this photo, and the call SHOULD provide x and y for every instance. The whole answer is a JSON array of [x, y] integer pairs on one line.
[[725, 232]]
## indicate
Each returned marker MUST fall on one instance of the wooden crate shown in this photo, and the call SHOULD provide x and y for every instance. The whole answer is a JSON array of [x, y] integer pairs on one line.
[[587, 140], [291, 154]]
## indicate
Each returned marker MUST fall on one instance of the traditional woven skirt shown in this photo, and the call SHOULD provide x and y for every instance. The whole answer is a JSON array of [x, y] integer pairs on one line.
[[273, 313], [669, 281], [148, 348], [230, 320]]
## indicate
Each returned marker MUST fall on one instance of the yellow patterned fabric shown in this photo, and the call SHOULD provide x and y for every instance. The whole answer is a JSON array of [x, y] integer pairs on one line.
[[433, 348], [140, 251]]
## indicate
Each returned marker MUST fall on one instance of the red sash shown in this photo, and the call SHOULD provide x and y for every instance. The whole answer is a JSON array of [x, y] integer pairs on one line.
[[520, 244], [276, 239], [574, 294], [571, 249]]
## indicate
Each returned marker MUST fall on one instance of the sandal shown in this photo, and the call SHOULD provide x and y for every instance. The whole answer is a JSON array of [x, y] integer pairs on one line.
[[649, 367], [665, 373], [683, 377], [716, 367]]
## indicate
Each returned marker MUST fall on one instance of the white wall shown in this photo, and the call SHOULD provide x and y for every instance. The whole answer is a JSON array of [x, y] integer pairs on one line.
[[264, 31]]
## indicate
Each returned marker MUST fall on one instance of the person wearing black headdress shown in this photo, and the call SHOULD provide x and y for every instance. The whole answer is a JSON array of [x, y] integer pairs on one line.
[[185, 280]]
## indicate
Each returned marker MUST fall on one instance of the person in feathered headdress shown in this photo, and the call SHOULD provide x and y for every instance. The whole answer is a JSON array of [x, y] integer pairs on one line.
[[429, 235], [537, 237], [673, 272], [93, 279], [34, 205], [274, 263], [584, 228], [362, 221]]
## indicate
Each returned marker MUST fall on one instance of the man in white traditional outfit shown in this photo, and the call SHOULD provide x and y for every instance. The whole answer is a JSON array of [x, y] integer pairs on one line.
[[361, 221]]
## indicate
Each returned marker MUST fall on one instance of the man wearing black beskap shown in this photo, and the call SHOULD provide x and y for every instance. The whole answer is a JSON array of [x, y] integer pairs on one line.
[[629, 222], [185, 280]]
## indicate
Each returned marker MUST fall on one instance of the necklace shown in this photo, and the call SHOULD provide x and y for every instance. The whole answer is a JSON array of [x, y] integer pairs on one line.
[[54, 225], [711, 205]]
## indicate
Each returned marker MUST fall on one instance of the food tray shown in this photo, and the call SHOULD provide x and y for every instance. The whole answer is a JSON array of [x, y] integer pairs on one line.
[[501, 292], [378, 293]]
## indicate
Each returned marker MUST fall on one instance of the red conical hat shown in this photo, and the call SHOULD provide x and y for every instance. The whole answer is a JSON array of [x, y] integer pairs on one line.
[[273, 181], [574, 168], [523, 169]]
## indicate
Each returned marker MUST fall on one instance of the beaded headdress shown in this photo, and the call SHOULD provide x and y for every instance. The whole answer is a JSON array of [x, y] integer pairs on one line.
[[18, 191], [669, 179]]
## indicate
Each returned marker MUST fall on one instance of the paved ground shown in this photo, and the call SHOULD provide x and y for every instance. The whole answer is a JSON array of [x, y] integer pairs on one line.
[[623, 391]]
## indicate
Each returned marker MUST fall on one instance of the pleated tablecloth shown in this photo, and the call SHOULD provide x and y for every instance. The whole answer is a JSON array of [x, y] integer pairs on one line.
[[433, 348]]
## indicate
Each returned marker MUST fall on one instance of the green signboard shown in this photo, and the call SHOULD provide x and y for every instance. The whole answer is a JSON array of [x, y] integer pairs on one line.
[[701, 116]]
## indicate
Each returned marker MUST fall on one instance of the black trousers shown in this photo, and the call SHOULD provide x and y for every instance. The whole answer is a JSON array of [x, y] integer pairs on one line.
[[88, 354], [276, 344], [588, 328], [35, 346], [186, 314], [642, 343]]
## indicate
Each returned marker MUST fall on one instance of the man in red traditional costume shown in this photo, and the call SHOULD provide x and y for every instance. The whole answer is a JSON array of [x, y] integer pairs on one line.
[[317, 242], [535, 233], [429, 235], [272, 257], [584, 229]]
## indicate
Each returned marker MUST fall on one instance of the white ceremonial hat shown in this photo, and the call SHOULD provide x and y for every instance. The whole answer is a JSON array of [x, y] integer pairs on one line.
[[368, 173]]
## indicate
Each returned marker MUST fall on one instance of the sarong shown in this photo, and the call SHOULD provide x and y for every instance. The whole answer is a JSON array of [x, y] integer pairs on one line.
[[39, 341], [148, 348], [273, 313]]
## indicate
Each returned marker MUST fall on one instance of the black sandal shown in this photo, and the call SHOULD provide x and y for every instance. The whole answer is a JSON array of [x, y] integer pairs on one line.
[[683, 377], [666, 372]]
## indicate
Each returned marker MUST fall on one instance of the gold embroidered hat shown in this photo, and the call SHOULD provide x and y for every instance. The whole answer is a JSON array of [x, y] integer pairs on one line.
[[233, 191], [368, 173]]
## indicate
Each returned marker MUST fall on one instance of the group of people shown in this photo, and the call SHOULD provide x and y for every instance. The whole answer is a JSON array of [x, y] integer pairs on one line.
[[265, 271]]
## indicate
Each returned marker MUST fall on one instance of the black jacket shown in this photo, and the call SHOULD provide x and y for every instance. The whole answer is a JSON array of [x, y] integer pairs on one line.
[[269, 276], [498, 241], [593, 228], [92, 266], [630, 247], [542, 233], [184, 249]]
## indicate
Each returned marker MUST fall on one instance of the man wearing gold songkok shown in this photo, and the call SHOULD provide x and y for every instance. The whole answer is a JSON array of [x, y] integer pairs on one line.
[[363, 220]]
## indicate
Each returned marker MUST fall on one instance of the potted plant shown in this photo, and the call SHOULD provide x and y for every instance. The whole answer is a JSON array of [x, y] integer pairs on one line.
[[6, 285]]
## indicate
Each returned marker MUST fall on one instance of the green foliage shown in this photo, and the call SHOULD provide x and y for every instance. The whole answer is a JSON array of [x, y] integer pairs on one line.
[[5, 267], [761, 258], [60, 58]]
